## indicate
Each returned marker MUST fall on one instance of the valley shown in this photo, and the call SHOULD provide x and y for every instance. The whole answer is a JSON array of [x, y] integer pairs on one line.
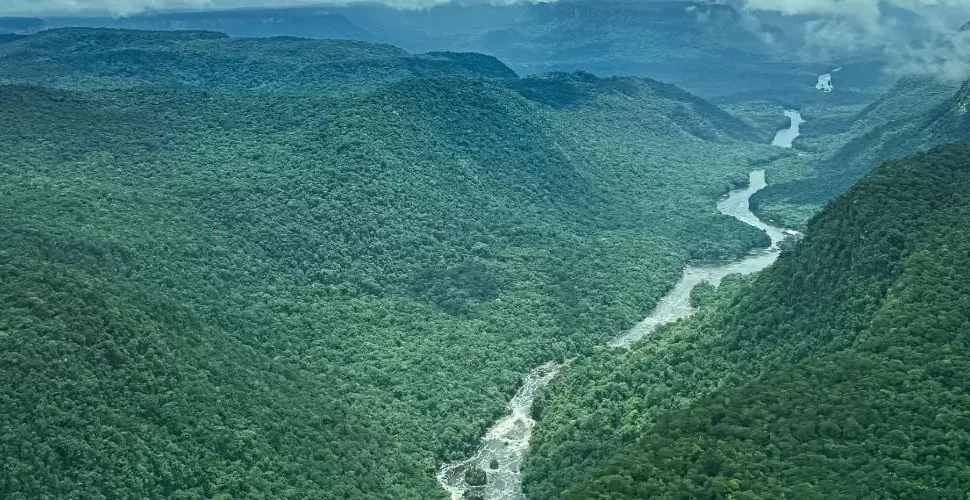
[[568, 250], [504, 446], [363, 245], [785, 385]]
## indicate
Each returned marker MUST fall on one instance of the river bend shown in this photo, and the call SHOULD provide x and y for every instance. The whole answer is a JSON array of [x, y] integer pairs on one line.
[[505, 444]]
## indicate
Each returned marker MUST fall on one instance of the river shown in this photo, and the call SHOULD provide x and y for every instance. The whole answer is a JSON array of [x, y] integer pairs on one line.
[[786, 136], [676, 304], [506, 443]]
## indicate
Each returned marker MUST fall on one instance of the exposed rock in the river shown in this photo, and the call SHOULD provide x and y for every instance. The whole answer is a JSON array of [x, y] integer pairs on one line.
[[476, 477]]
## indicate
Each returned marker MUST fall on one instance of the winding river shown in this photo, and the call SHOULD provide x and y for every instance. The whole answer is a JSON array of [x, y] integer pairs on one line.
[[504, 446], [786, 136]]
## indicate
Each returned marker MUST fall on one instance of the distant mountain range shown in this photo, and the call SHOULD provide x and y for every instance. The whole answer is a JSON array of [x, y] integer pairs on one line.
[[21, 25], [715, 49], [712, 49], [915, 115], [232, 267]]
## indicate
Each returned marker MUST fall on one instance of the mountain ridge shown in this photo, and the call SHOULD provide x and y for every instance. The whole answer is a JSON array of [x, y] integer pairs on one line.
[[639, 38], [917, 114], [309, 275], [850, 420]]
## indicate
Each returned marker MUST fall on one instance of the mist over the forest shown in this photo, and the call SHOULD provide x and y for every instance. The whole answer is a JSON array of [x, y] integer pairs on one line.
[[131, 7], [914, 36]]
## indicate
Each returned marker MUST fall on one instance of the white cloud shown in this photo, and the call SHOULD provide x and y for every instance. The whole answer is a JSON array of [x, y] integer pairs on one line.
[[128, 7], [915, 36]]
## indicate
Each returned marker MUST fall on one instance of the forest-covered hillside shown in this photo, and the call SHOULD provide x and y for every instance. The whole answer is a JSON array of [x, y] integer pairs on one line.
[[837, 373], [915, 115], [95, 58], [289, 268], [707, 47]]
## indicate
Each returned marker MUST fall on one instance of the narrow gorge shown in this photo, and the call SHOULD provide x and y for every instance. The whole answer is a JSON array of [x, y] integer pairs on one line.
[[503, 448]]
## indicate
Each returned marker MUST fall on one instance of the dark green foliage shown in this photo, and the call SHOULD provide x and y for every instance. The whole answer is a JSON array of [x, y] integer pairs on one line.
[[559, 90], [108, 389], [252, 293], [476, 477], [839, 372], [476, 64], [702, 295], [460, 288], [917, 114], [564, 90], [81, 57]]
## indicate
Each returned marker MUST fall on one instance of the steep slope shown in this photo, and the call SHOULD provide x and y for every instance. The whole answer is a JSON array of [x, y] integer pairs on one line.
[[307, 277], [114, 389], [887, 415], [649, 422], [900, 137], [914, 116], [687, 112]]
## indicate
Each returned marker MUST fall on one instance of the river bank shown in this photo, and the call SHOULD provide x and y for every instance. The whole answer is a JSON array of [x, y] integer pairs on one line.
[[504, 446]]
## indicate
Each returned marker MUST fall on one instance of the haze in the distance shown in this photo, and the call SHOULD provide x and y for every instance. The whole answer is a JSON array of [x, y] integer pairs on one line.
[[131, 7], [867, 11]]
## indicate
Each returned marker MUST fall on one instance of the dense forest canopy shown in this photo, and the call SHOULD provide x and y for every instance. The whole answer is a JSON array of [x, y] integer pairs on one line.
[[314, 268], [915, 115], [294, 268], [838, 372], [95, 58]]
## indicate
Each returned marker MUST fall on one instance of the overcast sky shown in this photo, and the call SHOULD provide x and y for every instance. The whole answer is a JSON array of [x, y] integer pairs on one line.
[[125, 7], [928, 44], [862, 10], [837, 23]]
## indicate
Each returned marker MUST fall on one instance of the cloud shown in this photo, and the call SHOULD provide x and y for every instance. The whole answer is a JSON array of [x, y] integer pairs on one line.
[[913, 36], [130, 7]]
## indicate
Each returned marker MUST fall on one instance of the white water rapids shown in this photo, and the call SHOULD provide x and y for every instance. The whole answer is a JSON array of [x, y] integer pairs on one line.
[[506, 443], [824, 82]]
